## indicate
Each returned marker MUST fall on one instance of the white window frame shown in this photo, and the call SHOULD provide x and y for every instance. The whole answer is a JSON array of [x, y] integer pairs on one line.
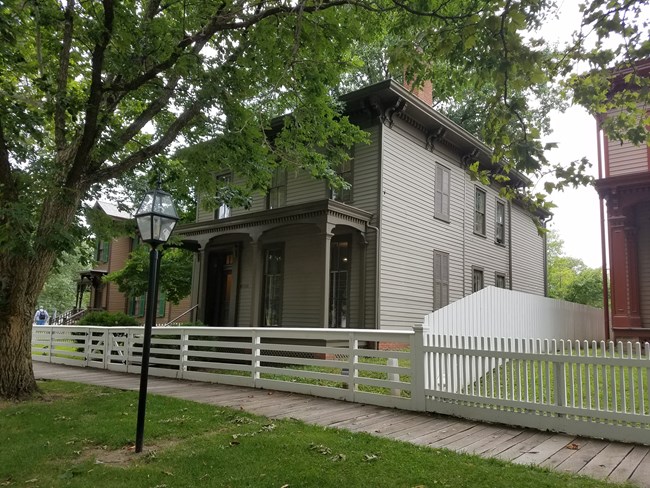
[[480, 204]]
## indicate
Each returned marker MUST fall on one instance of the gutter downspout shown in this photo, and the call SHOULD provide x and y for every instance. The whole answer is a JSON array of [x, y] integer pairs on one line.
[[377, 275], [510, 245], [603, 247], [545, 222]]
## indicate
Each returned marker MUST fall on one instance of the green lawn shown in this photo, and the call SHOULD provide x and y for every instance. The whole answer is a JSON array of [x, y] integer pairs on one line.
[[78, 436]]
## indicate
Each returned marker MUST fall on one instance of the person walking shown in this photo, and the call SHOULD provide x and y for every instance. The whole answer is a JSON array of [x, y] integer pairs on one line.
[[41, 316]]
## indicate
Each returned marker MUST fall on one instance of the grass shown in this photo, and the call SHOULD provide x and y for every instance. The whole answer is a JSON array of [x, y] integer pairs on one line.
[[79, 436]]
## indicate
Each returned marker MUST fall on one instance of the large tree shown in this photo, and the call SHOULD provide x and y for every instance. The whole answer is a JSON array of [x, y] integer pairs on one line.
[[91, 92]]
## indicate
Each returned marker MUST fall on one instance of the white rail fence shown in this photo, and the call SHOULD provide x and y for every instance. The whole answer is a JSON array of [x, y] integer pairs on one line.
[[496, 312], [585, 388]]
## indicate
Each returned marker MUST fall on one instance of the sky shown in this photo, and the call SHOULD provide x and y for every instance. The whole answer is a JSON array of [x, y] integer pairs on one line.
[[577, 216]]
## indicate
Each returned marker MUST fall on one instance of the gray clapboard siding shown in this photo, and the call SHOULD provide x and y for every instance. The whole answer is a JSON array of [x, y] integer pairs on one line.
[[527, 253], [303, 279], [643, 238], [406, 218], [626, 158], [303, 188], [365, 195], [410, 233]]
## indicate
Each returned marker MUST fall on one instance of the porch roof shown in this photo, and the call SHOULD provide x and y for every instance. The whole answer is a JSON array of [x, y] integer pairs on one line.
[[318, 212]]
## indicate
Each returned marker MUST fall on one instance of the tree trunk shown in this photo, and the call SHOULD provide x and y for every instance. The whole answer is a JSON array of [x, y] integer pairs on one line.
[[17, 304], [22, 276]]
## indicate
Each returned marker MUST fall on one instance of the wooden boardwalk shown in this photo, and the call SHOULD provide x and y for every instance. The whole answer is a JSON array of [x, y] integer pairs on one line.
[[590, 457]]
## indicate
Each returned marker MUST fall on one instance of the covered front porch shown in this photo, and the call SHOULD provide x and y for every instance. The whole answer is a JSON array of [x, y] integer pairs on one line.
[[308, 265]]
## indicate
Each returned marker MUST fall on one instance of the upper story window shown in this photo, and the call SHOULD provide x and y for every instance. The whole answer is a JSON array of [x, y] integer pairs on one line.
[[277, 195], [477, 279], [500, 223], [479, 212], [103, 250], [345, 173], [442, 191], [223, 212]]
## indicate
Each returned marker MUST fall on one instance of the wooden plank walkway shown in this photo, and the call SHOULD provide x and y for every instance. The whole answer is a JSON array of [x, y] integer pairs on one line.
[[590, 457]]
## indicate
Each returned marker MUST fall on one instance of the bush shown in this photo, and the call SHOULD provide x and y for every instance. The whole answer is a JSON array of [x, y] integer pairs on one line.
[[108, 319]]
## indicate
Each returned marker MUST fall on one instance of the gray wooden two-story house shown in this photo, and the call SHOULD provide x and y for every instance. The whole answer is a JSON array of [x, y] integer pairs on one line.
[[413, 233]]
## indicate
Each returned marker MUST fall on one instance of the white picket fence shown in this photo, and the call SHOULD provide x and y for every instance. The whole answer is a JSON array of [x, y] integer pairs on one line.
[[585, 388], [497, 312]]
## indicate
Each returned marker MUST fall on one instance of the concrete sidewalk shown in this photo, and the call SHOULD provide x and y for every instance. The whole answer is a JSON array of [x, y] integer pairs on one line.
[[590, 457]]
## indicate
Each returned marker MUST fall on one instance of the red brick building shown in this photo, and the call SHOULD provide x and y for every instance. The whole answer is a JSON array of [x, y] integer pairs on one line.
[[111, 255]]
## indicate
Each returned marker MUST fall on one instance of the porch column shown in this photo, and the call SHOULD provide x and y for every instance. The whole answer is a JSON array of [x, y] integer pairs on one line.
[[256, 290], [363, 251], [327, 242], [624, 271], [198, 285], [634, 305]]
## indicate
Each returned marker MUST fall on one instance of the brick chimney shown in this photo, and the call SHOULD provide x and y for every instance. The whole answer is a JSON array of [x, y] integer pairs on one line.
[[424, 93]]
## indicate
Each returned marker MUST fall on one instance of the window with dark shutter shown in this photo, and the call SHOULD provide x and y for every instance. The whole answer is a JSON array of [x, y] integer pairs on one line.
[[442, 192], [440, 279]]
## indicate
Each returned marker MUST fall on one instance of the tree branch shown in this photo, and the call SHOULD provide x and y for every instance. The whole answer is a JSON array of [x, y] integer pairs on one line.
[[62, 78], [134, 159], [6, 180], [94, 98]]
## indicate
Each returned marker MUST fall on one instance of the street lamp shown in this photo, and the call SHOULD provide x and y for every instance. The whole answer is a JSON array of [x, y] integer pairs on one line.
[[156, 218]]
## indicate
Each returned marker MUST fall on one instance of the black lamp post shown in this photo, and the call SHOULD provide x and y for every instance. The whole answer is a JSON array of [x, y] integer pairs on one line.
[[156, 218]]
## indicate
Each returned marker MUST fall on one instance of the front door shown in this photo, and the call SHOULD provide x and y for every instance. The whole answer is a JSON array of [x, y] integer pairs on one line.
[[219, 299]]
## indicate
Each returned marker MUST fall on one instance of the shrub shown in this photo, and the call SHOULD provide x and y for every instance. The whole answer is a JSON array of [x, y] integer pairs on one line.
[[108, 319]]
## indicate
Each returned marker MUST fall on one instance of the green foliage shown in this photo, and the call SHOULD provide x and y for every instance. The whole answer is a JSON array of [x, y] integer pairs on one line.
[[108, 319], [175, 274], [60, 290], [569, 278]]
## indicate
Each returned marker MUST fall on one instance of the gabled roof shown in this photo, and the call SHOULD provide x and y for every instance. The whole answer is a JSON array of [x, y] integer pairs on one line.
[[111, 210]]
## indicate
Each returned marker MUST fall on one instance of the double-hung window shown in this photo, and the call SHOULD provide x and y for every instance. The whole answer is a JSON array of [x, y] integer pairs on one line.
[[103, 250], [442, 191], [477, 279], [500, 223], [344, 171], [277, 196], [273, 283], [479, 212], [500, 280], [223, 181]]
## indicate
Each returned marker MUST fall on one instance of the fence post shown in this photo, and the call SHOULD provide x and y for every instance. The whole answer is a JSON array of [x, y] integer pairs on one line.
[[255, 357], [393, 363], [108, 345], [182, 367], [51, 348], [353, 344], [559, 378], [87, 345], [418, 369]]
